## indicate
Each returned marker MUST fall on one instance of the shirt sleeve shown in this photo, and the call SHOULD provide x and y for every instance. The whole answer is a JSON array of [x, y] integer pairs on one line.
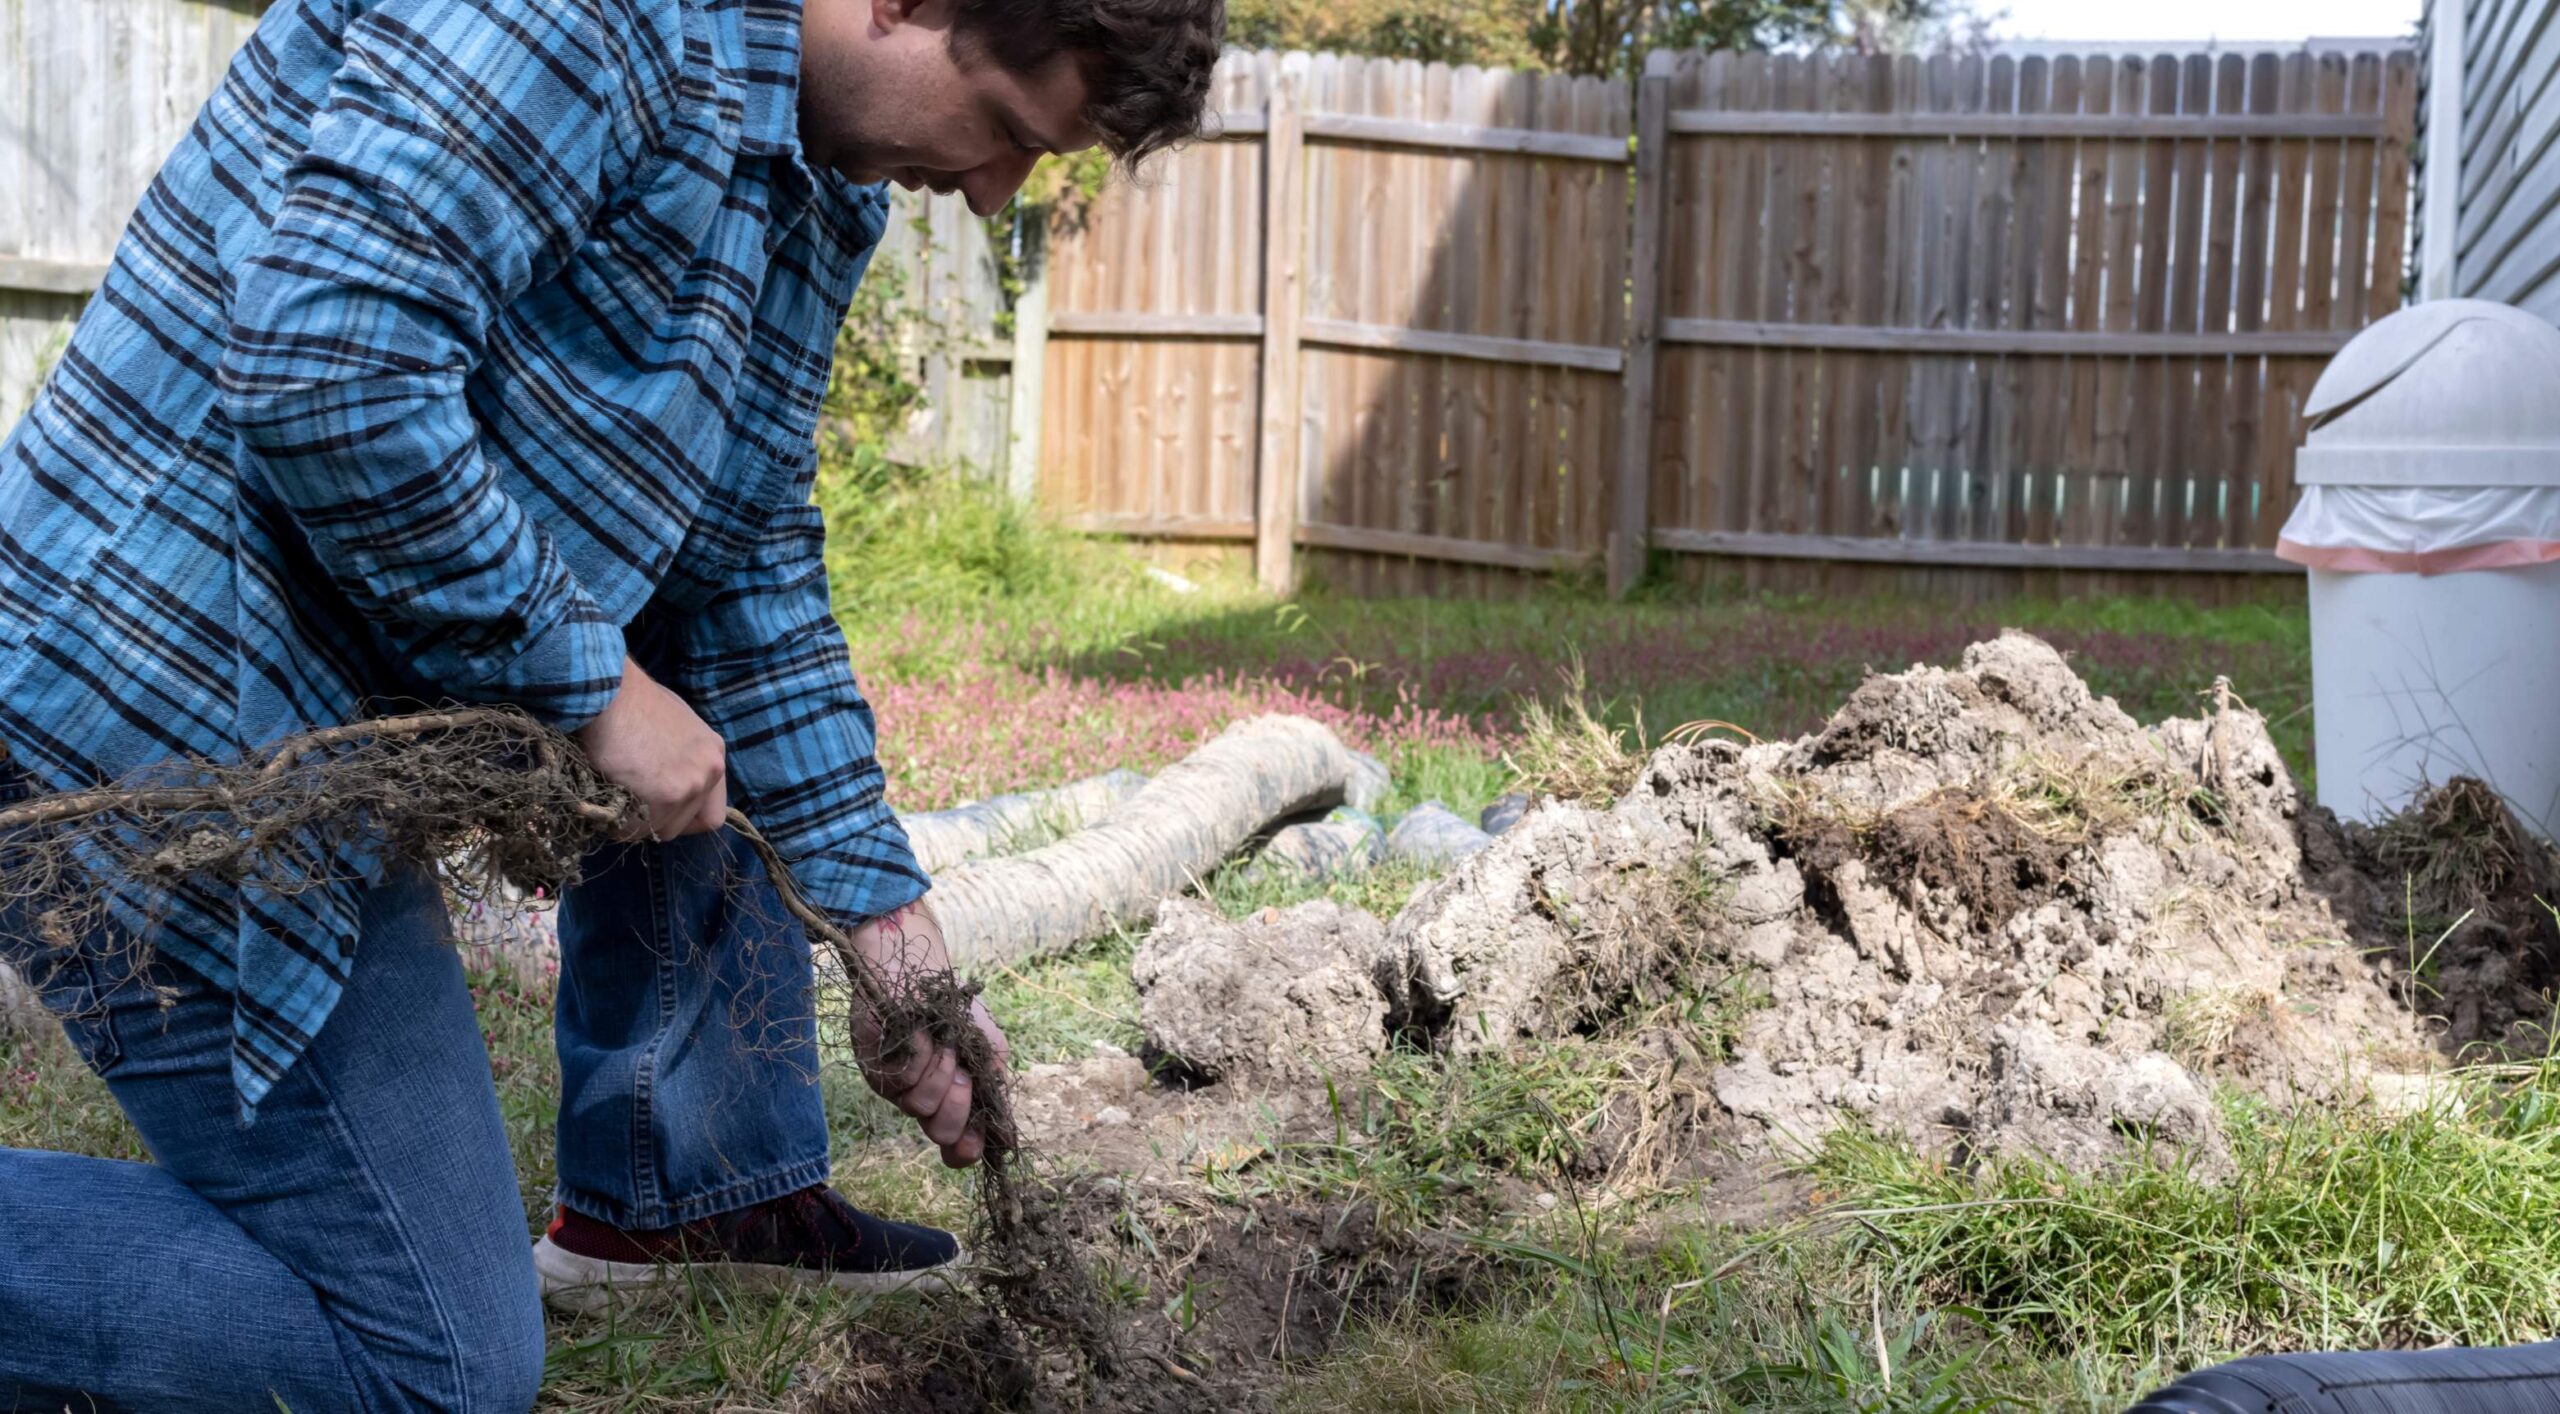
[[764, 663], [458, 158]]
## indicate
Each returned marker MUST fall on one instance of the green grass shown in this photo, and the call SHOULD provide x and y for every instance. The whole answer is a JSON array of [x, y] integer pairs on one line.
[[1917, 1287], [1696, 1319], [1052, 653], [1061, 1008], [979, 627], [2347, 1228]]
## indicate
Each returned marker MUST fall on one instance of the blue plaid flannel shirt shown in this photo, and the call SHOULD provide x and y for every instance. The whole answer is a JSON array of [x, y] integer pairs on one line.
[[461, 347]]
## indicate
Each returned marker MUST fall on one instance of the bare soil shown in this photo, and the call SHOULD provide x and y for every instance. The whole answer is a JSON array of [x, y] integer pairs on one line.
[[1222, 1299]]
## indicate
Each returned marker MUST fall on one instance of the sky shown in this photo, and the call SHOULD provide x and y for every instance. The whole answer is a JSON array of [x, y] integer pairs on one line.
[[2228, 20]]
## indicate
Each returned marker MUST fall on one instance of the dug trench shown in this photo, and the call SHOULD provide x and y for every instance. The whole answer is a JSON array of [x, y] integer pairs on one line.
[[1981, 912]]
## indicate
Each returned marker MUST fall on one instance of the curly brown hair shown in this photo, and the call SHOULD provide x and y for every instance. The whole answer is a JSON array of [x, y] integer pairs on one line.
[[1146, 62]]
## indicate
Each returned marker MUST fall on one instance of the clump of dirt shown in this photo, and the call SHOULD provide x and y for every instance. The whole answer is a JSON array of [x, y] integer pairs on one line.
[[1572, 917], [1989, 911], [2457, 893], [1294, 994], [1956, 844]]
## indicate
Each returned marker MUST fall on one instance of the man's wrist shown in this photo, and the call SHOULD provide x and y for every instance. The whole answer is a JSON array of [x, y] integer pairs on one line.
[[905, 938]]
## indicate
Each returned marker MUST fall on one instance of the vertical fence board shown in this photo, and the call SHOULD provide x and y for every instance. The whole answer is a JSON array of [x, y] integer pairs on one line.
[[2147, 433], [2016, 413], [2208, 470], [1633, 499], [1283, 305], [2391, 186], [1994, 244], [2050, 407]]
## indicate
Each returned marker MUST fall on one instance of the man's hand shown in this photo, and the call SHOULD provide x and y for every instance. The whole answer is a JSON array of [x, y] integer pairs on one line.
[[650, 743], [930, 1083]]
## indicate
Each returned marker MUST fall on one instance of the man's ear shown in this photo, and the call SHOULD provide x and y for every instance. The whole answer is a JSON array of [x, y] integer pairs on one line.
[[888, 15]]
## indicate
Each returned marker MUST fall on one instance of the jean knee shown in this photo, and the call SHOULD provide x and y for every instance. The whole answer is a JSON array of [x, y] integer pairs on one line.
[[486, 1359], [502, 1358]]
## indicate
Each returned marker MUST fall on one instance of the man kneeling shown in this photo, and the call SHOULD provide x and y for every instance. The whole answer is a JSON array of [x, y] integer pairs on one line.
[[472, 350]]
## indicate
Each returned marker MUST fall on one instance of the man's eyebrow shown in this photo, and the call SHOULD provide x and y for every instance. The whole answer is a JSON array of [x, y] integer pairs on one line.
[[1019, 129]]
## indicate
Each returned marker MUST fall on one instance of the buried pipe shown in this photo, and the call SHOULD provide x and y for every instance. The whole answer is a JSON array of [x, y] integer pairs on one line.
[[2516, 1379]]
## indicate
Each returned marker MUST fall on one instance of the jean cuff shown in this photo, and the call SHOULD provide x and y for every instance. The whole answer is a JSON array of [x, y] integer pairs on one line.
[[727, 1198]]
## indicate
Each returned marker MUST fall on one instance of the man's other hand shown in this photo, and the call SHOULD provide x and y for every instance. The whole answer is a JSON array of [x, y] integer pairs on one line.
[[650, 743], [929, 1084]]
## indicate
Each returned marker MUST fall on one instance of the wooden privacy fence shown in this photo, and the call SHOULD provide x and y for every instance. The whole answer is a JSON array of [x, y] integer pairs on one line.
[[1441, 325], [1435, 327], [92, 96]]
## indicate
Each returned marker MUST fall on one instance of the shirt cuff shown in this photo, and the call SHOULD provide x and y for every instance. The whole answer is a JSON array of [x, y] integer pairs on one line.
[[868, 873], [568, 672]]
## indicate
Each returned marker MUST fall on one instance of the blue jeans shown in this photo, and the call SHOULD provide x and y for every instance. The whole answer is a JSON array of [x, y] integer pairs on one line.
[[362, 1246]]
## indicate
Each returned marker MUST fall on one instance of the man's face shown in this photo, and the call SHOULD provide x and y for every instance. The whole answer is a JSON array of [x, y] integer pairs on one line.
[[884, 96]]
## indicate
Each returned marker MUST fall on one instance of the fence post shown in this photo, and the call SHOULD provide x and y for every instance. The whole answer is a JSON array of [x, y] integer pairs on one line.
[[1275, 521], [1030, 355], [1631, 506]]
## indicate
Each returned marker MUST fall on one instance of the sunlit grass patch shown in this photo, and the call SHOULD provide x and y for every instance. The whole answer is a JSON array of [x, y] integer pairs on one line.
[[1062, 1009], [1243, 889], [2345, 1227], [1571, 751], [705, 1343], [1699, 1321]]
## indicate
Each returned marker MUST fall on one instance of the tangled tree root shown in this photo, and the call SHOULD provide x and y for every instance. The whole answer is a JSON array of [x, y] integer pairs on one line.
[[504, 800]]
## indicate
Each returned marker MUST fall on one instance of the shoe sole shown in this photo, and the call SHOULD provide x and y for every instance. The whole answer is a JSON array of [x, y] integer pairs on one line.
[[585, 1285]]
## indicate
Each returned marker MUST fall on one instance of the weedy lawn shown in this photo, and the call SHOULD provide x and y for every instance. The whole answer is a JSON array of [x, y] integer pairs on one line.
[[1002, 655]]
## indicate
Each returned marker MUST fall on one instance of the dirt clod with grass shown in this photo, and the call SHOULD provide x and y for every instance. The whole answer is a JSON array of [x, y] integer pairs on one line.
[[1292, 995]]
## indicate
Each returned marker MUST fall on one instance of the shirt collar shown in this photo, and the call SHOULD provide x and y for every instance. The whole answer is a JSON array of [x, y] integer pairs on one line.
[[771, 73]]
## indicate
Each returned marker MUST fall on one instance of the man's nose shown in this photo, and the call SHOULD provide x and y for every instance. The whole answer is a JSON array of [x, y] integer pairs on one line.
[[991, 184]]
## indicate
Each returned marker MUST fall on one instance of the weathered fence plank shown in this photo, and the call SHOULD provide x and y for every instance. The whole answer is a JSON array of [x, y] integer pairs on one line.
[[1283, 271], [1632, 496]]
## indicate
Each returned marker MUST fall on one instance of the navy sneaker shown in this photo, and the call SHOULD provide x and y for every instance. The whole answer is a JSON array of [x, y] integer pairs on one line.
[[809, 1238]]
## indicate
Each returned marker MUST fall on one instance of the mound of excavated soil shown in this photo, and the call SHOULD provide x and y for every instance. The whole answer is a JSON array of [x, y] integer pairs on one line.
[[1988, 911]]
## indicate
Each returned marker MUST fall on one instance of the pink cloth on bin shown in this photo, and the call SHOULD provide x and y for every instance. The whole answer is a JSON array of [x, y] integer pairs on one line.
[[2355, 559]]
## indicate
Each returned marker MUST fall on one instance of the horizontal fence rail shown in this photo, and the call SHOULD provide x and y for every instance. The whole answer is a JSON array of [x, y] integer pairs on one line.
[[1749, 334], [50, 277], [1430, 325], [2038, 126]]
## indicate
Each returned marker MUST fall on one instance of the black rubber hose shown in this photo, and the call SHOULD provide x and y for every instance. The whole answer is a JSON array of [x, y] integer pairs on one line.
[[2516, 1379]]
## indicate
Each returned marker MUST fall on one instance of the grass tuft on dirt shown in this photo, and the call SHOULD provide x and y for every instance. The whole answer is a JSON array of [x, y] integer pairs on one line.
[[1571, 751]]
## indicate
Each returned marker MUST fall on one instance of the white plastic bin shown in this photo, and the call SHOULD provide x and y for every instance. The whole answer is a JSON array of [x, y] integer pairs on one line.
[[2430, 521]]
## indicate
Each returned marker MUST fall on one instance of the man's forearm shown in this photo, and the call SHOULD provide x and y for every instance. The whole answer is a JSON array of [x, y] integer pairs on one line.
[[906, 941]]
